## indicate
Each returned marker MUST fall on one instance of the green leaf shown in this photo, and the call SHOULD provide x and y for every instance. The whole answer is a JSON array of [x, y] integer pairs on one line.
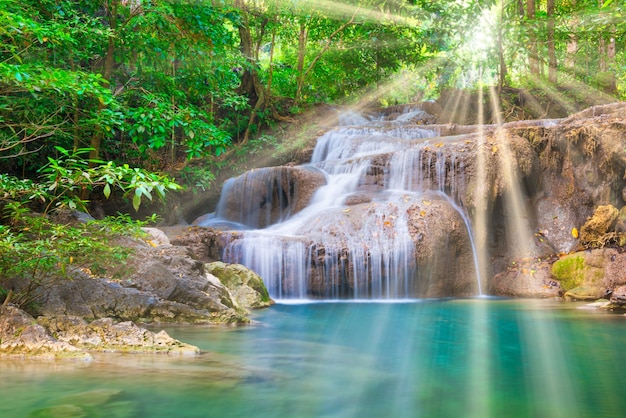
[[107, 191], [136, 201], [607, 3]]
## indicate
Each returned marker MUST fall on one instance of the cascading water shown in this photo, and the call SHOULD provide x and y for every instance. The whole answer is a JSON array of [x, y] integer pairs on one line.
[[387, 222]]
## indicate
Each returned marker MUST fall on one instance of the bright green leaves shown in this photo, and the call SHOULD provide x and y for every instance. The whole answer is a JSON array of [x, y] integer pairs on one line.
[[66, 178], [34, 248], [158, 122]]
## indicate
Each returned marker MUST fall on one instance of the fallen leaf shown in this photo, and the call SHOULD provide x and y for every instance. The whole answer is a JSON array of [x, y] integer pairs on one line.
[[575, 232]]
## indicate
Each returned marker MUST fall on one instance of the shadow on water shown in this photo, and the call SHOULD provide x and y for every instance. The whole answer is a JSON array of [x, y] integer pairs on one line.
[[481, 357]]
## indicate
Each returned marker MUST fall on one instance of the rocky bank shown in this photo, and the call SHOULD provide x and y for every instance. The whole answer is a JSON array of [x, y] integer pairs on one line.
[[158, 283]]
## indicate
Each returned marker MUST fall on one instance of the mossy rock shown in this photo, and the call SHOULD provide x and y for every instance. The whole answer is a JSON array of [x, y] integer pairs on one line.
[[584, 293], [246, 287], [569, 271], [575, 271]]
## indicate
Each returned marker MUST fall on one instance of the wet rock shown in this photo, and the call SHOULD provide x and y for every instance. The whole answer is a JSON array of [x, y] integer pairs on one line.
[[246, 287], [528, 280], [598, 304], [357, 199], [599, 224], [413, 246], [584, 293], [204, 244], [21, 335], [437, 228], [264, 196], [619, 296], [108, 335]]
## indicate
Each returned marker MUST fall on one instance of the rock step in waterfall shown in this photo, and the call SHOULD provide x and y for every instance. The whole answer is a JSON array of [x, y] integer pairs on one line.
[[399, 209]]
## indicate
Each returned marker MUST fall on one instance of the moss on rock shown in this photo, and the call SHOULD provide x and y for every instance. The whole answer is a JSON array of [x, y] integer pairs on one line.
[[584, 293], [569, 271], [246, 287]]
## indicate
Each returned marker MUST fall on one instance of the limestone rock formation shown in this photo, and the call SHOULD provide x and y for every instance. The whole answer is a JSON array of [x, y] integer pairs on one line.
[[156, 284], [589, 275], [107, 335], [529, 185], [602, 222], [262, 197], [72, 337], [530, 279], [245, 286], [21, 336]]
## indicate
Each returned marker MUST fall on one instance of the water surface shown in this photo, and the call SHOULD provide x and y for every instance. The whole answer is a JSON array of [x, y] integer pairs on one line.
[[441, 358]]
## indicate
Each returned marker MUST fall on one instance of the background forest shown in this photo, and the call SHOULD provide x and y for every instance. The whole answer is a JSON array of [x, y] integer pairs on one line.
[[109, 85]]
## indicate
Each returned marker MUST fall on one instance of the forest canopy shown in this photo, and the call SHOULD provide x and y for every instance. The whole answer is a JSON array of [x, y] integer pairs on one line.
[[154, 83]]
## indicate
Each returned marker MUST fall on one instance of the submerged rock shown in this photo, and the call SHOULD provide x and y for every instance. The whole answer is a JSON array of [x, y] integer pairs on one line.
[[92, 403]]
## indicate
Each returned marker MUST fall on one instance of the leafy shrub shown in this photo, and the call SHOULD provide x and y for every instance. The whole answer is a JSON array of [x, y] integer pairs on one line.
[[36, 253]]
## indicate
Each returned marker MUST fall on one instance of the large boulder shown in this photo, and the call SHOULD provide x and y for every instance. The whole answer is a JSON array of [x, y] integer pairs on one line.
[[156, 284], [262, 197], [587, 275], [245, 286], [415, 245], [526, 280]]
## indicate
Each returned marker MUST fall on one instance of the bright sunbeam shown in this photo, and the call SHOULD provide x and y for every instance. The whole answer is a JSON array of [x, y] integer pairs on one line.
[[336, 9]]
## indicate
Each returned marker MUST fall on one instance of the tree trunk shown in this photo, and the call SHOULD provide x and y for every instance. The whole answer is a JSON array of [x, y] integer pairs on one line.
[[250, 83], [572, 44], [270, 71], [303, 37], [602, 52], [533, 59], [107, 73], [500, 42], [552, 63]]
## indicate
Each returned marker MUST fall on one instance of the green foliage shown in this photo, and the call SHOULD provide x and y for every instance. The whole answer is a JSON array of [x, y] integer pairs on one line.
[[65, 180], [36, 253]]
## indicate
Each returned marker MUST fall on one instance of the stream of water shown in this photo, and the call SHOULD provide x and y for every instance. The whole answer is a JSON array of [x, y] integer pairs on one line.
[[384, 173], [419, 358]]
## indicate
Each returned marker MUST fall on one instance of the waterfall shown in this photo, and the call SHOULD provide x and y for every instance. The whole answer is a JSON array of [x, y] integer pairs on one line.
[[364, 233]]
